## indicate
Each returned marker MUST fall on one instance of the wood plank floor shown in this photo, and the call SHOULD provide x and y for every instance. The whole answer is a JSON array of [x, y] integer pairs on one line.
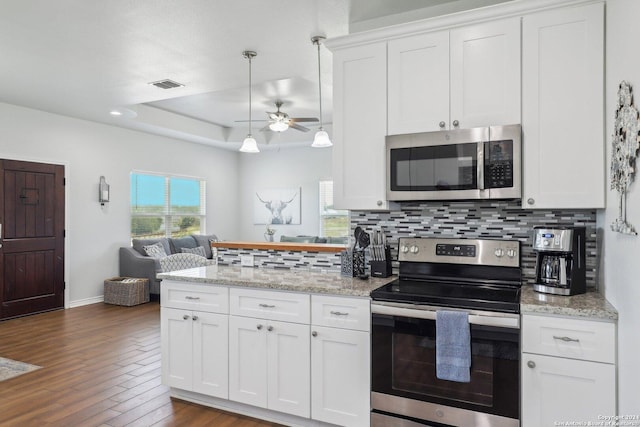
[[100, 367]]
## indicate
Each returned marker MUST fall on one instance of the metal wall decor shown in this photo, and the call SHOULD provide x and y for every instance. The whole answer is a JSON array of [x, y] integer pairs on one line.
[[624, 149]]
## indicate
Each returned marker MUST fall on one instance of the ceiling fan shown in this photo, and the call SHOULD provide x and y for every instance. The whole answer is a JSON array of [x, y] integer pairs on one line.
[[279, 121]]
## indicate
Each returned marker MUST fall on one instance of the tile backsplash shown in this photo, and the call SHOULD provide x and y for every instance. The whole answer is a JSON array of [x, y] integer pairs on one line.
[[490, 220]]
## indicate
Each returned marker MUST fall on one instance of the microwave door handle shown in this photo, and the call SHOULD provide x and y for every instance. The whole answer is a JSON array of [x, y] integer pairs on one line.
[[480, 166]]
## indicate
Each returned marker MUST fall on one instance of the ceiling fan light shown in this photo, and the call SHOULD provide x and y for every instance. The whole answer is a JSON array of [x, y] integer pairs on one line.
[[249, 145], [279, 126], [321, 140]]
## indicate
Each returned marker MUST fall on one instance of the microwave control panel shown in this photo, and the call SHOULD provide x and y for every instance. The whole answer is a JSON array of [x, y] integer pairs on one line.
[[498, 164]]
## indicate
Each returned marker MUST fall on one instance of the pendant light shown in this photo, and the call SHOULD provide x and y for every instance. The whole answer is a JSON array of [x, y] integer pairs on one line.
[[321, 140], [249, 144]]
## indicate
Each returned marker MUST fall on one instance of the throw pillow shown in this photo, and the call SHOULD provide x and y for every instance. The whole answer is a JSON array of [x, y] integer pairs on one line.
[[155, 251], [198, 251]]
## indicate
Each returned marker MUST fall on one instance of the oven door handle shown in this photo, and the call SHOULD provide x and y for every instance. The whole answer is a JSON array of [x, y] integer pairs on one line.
[[501, 321]]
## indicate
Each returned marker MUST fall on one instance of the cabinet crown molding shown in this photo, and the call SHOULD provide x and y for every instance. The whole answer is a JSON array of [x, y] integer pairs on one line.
[[475, 16]]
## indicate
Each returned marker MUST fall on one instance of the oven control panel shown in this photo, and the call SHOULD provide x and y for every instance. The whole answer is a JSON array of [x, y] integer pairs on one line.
[[503, 253]]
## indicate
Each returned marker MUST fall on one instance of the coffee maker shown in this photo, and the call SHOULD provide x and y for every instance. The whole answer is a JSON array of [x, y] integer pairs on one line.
[[560, 260]]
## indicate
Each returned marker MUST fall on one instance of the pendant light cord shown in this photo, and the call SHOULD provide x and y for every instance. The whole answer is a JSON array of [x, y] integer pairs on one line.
[[317, 42], [249, 57]]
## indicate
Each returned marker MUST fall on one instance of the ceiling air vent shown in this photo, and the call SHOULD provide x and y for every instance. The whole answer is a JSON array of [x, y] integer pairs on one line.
[[166, 84]]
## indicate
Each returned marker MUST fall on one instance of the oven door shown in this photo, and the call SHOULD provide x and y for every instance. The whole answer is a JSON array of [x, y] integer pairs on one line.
[[404, 383]]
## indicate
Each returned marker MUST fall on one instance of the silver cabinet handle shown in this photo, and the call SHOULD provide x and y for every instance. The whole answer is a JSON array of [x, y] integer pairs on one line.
[[314, 334], [531, 364], [191, 298], [269, 328], [456, 123], [267, 305], [185, 317], [339, 313], [194, 318], [259, 327], [0, 235], [530, 201], [566, 339], [442, 125]]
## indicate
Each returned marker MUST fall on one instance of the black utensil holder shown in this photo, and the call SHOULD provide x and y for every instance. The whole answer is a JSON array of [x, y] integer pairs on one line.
[[352, 263]]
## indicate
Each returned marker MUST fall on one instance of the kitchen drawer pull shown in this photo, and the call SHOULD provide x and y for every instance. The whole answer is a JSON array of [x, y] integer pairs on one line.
[[192, 298], [259, 327], [185, 317], [566, 339], [339, 313], [269, 328], [314, 334], [531, 364], [194, 318], [267, 305]]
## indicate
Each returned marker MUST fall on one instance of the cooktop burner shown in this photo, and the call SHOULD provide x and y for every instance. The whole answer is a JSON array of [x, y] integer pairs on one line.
[[478, 274], [458, 295]]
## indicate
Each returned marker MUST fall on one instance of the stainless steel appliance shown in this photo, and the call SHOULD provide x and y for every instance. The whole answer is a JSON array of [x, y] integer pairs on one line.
[[481, 277], [560, 260], [478, 163]]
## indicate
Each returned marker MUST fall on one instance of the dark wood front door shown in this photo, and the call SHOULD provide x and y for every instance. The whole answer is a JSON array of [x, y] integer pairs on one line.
[[32, 238]]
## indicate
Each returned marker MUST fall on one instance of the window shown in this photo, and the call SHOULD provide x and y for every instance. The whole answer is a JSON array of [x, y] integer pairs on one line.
[[333, 222], [166, 206]]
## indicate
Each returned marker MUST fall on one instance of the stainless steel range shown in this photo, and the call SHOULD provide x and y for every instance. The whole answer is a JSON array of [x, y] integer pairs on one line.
[[480, 277]]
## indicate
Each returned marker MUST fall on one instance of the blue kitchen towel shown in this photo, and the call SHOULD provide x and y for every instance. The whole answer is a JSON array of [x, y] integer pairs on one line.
[[453, 346]]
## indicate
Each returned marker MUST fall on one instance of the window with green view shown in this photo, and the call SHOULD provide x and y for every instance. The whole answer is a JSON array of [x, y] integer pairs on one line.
[[166, 206], [333, 222]]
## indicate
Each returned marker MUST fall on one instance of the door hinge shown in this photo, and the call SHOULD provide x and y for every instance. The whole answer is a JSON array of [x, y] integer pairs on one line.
[[64, 233], [64, 181]]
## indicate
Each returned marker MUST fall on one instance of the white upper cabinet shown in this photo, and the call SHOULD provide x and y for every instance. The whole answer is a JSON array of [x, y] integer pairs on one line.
[[485, 74], [418, 83], [563, 108], [463, 78], [360, 127]]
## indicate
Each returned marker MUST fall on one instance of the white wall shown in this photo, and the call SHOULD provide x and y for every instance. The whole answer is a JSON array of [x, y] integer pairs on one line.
[[296, 167], [88, 150], [622, 252]]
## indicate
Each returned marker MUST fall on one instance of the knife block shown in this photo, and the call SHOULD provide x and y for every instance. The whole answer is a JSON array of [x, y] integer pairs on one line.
[[382, 268]]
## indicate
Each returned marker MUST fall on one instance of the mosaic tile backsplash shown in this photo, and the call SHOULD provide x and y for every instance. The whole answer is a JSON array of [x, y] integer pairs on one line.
[[485, 220], [490, 220]]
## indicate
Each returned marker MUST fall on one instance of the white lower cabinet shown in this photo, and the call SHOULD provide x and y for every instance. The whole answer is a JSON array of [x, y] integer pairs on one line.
[[284, 356], [269, 364], [194, 353], [340, 360], [340, 376], [568, 371]]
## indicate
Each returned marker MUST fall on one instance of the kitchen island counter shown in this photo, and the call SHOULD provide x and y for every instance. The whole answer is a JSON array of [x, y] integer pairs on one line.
[[286, 280]]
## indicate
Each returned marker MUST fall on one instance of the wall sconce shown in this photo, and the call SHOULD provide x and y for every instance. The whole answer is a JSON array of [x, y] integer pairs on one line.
[[103, 191]]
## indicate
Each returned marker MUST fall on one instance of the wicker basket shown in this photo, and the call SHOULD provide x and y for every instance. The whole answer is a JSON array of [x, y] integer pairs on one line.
[[126, 291]]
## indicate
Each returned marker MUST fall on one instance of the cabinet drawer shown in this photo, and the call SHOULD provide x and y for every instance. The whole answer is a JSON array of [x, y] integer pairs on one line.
[[564, 337], [272, 305], [341, 312], [192, 296]]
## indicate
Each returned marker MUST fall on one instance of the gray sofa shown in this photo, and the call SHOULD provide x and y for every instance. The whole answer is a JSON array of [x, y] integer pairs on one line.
[[134, 262], [314, 239]]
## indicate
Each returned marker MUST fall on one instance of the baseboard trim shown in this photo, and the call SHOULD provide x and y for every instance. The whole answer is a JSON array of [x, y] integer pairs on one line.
[[86, 301]]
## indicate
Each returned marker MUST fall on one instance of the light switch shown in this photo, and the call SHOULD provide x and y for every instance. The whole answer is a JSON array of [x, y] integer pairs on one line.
[[246, 260]]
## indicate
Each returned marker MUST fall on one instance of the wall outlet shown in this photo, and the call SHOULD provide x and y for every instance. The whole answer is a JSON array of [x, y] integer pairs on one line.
[[246, 260]]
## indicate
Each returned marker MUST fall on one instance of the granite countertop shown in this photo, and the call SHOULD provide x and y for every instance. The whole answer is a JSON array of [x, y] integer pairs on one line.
[[591, 305], [287, 280]]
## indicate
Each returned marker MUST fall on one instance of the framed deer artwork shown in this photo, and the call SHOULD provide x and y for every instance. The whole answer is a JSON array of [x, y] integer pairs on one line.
[[277, 206]]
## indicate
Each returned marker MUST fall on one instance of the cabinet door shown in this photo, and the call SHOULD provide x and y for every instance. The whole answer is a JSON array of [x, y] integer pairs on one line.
[[288, 368], [248, 361], [340, 376], [210, 354], [562, 108], [360, 127], [418, 81], [485, 74], [556, 390], [177, 343]]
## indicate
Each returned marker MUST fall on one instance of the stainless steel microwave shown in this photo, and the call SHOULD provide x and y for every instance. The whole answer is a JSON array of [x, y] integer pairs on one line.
[[459, 164]]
